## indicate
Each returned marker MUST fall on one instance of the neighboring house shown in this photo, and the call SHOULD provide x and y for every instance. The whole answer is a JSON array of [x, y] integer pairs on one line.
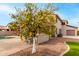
[[63, 28], [4, 30]]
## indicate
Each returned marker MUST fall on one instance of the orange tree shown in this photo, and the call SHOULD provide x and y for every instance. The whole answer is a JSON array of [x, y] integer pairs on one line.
[[34, 20]]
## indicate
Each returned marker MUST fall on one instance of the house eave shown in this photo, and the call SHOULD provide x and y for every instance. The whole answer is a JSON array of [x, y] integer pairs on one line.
[[72, 26]]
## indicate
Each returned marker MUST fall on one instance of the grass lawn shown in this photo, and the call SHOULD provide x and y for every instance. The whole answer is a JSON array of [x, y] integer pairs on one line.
[[74, 49]]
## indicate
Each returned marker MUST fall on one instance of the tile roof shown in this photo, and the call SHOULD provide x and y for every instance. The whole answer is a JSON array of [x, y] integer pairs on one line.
[[64, 20]]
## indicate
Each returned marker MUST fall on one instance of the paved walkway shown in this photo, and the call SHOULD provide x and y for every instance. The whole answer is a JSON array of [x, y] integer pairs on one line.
[[73, 37], [10, 46]]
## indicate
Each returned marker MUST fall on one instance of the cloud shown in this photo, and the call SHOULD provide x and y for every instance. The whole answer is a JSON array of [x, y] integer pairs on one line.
[[74, 21], [6, 8]]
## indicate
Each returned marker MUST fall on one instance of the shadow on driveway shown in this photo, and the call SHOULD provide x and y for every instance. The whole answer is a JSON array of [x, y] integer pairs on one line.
[[5, 37]]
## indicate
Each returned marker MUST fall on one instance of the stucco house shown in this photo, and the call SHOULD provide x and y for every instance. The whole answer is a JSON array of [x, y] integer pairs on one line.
[[4, 30], [62, 27]]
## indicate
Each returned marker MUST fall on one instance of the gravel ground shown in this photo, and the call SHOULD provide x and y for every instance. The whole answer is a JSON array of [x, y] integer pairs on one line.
[[54, 47]]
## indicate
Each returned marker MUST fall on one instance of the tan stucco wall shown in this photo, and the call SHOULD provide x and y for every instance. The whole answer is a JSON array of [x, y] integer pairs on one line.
[[58, 25], [7, 33], [43, 38], [64, 28]]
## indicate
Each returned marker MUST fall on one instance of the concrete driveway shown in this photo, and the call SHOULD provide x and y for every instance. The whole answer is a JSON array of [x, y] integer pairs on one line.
[[10, 46], [74, 37]]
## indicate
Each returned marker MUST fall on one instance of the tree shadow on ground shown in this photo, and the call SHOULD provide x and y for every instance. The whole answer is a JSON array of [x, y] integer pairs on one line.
[[5, 37]]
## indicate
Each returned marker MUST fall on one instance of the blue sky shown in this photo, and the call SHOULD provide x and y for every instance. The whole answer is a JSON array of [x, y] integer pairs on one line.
[[67, 11], [5, 10]]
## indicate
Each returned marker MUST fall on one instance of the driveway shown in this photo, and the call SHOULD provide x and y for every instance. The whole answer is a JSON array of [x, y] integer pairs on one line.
[[74, 37], [11, 45]]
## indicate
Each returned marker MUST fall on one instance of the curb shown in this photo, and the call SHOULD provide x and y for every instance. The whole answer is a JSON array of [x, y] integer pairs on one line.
[[68, 48]]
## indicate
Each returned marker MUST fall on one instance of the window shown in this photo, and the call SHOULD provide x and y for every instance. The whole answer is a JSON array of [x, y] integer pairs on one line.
[[7, 29], [0, 30], [63, 23]]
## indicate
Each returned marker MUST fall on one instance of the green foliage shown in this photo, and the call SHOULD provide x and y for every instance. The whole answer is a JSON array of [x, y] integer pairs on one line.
[[34, 20], [12, 25]]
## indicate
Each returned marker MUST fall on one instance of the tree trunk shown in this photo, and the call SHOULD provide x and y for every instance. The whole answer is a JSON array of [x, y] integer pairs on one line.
[[49, 36], [22, 39], [34, 45]]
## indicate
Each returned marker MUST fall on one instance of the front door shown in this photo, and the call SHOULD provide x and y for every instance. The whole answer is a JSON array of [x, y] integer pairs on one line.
[[60, 32]]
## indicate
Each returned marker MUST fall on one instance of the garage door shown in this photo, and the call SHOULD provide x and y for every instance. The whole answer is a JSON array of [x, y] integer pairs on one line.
[[70, 32]]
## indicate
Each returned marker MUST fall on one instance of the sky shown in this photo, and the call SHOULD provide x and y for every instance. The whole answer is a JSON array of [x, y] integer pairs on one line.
[[66, 11]]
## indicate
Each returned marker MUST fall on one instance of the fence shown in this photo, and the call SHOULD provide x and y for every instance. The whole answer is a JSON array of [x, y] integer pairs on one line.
[[7, 33]]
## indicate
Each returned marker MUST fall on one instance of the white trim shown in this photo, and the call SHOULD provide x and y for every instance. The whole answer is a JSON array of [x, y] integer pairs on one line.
[[74, 37], [68, 48]]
